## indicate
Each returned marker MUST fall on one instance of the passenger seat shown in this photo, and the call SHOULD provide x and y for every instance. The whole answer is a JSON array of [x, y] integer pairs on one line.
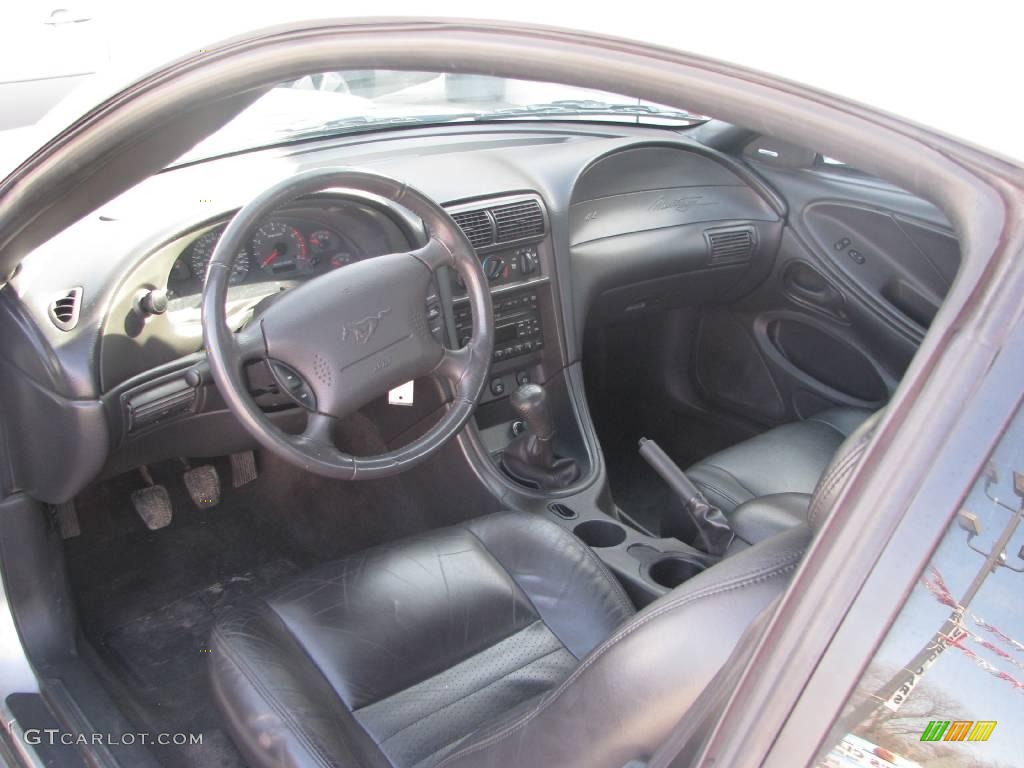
[[784, 464]]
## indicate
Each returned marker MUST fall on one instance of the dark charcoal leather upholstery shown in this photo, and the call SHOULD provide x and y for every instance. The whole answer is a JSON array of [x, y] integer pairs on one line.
[[397, 654], [789, 459], [502, 642]]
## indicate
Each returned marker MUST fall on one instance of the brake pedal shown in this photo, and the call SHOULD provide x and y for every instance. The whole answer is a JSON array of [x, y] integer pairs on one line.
[[203, 484], [153, 503], [243, 468]]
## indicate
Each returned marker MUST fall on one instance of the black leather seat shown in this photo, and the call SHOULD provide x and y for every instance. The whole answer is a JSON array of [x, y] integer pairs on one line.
[[499, 642], [764, 484]]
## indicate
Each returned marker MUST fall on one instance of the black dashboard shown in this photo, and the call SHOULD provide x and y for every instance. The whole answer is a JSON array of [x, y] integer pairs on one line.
[[573, 226]]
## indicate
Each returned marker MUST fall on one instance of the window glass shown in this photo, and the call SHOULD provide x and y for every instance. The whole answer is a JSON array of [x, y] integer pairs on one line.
[[946, 687]]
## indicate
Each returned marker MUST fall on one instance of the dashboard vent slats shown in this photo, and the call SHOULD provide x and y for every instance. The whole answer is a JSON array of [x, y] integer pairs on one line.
[[65, 308], [518, 220], [726, 246], [502, 224], [478, 227]]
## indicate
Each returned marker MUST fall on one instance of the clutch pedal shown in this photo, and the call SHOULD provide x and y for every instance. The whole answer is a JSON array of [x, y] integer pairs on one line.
[[153, 503]]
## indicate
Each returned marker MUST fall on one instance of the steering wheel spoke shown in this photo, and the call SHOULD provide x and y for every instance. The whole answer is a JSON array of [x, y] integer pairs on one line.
[[249, 343], [434, 255], [454, 365], [319, 429]]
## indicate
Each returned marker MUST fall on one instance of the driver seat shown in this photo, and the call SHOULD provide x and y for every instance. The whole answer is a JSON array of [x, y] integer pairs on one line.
[[503, 641]]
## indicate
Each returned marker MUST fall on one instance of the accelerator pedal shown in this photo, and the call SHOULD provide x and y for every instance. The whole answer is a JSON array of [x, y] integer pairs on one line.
[[152, 503], [243, 468], [203, 484]]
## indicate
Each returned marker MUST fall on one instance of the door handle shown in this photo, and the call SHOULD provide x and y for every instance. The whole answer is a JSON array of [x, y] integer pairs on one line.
[[807, 286]]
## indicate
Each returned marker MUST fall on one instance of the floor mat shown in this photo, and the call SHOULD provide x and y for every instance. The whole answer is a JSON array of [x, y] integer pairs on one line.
[[162, 654]]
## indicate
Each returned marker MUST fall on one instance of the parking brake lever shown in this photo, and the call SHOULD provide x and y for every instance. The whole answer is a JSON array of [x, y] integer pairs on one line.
[[714, 533]]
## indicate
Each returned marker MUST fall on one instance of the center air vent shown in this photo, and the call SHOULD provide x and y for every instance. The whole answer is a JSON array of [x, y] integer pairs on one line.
[[518, 220], [478, 227], [502, 224], [64, 309], [730, 245]]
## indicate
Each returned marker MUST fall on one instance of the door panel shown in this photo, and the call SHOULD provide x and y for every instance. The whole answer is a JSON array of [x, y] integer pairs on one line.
[[861, 271]]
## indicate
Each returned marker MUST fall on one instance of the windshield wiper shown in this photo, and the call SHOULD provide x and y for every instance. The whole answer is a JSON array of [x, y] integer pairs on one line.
[[591, 107]]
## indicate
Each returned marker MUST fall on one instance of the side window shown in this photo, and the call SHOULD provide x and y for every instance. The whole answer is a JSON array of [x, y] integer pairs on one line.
[[946, 688]]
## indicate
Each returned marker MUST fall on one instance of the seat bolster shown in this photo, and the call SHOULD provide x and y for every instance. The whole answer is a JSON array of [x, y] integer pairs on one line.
[[280, 709], [644, 680], [570, 588], [788, 458], [762, 518]]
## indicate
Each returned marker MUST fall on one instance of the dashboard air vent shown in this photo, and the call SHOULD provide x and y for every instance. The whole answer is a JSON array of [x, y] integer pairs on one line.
[[730, 245], [477, 226], [518, 220], [64, 309]]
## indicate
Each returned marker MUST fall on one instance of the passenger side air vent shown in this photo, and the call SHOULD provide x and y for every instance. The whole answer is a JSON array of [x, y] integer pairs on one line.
[[478, 227], [516, 221], [727, 246], [64, 309]]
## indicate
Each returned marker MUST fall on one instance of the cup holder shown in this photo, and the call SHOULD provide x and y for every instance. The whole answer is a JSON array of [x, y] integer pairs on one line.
[[600, 533], [673, 570]]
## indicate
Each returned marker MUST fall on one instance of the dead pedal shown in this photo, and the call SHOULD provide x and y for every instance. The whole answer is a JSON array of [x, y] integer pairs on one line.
[[67, 520], [243, 468], [203, 484]]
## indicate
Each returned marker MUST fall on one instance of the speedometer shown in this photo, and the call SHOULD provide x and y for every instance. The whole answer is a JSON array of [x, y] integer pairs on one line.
[[280, 248], [202, 250]]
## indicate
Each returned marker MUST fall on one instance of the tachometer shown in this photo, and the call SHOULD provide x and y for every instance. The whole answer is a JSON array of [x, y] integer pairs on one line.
[[280, 248], [202, 250]]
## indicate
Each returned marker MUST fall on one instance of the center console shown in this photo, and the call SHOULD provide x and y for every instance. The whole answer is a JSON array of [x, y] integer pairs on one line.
[[539, 443]]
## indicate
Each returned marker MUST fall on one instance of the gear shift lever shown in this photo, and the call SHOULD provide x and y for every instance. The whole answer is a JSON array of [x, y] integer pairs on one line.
[[530, 458]]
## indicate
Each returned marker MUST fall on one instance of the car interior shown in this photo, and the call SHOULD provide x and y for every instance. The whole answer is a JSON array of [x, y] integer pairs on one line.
[[399, 447]]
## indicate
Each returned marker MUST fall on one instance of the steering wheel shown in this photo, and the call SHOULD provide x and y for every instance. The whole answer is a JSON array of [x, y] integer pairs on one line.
[[337, 342]]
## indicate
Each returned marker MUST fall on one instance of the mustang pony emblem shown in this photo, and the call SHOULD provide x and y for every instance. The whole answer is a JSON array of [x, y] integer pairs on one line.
[[362, 330]]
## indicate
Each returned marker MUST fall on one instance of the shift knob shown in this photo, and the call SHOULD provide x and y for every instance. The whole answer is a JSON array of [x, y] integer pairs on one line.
[[531, 403]]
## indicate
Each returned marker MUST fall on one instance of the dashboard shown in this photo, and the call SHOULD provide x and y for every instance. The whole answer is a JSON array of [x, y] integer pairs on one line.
[[572, 226]]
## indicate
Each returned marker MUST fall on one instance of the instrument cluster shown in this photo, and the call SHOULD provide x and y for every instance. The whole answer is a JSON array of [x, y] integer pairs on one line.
[[279, 250]]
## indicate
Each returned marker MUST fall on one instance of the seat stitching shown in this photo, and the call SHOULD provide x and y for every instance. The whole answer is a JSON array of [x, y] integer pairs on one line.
[[735, 479], [776, 568], [828, 424], [837, 475], [718, 491], [473, 693], [293, 725]]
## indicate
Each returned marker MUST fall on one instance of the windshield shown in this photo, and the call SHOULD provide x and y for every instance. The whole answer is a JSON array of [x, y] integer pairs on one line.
[[332, 103]]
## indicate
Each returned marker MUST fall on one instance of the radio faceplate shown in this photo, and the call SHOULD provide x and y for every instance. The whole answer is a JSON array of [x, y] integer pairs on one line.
[[517, 325]]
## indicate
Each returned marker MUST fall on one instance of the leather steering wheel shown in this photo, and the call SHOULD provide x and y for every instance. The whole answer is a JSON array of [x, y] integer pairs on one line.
[[351, 335]]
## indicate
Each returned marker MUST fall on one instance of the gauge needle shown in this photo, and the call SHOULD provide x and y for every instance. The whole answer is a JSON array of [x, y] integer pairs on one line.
[[271, 258]]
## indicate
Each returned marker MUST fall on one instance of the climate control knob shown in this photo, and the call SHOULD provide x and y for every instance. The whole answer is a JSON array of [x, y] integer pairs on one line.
[[493, 267]]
